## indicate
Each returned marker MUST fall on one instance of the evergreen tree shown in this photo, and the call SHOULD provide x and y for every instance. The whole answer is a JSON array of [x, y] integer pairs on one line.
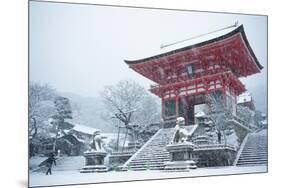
[[63, 112]]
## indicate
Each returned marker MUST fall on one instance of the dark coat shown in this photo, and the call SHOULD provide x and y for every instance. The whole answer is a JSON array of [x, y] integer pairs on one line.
[[50, 161]]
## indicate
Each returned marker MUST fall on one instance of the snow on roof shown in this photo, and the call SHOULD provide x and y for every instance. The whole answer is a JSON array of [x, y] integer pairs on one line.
[[200, 114], [79, 139], [109, 137], [191, 42], [84, 129], [244, 97], [264, 122]]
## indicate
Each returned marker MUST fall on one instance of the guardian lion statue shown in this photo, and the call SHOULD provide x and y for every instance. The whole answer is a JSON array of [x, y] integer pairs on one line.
[[181, 134], [97, 142]]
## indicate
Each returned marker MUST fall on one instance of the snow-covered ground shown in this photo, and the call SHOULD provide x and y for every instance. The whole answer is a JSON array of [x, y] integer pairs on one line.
[[74, 177]]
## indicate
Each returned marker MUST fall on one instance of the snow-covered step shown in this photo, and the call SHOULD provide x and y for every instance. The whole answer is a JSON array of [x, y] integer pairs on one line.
[[150, 159], [256, 160], [155, 155], [252, 164], [258, 150], [254, 154], [259, 145], [147, 162], [147, 165], [252, 161], [147, 168], [153, 152]]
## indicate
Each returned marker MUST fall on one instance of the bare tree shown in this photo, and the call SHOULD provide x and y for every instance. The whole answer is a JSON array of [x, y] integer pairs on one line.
[[40, 105], [130, 103], [40, 108], [149, 111]]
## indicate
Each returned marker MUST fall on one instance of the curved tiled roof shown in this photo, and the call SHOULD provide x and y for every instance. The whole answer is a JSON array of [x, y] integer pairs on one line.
[[239, 29]]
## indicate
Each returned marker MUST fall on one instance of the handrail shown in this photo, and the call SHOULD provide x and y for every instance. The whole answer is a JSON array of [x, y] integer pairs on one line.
[[240, 124], [240, 150]]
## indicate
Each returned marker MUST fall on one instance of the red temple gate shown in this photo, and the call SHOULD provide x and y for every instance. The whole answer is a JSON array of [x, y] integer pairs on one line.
[[184, 76]]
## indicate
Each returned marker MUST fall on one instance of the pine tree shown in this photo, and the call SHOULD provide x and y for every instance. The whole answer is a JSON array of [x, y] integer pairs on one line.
[[63, 112]]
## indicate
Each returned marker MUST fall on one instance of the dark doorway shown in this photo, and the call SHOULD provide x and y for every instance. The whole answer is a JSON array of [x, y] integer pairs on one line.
[[186, 107]]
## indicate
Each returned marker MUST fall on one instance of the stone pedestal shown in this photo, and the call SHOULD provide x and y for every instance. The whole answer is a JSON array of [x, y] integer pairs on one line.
[[117, 159], [94, 162], [181, 157]]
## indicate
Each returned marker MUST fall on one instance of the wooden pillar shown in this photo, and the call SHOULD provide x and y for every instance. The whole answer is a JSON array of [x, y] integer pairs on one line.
[[224, 86], [177, 105], [163, 108], [235, 104]]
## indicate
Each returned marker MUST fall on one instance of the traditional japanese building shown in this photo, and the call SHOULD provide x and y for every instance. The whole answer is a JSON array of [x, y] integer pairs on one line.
[[184, 76], [246, 100]]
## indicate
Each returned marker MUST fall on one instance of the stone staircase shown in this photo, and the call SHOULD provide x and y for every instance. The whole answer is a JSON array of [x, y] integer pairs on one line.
[[254, 152], [153, 154]]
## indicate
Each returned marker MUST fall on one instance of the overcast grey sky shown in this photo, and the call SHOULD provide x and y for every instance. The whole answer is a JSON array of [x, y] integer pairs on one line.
[[81, 48]]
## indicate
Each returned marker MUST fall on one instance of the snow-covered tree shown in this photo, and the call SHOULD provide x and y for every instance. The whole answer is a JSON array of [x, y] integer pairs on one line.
[[40, 105], [63, 111], [245, 114], [148, 112], [41, 108], [258, 118], [131, 104], [218, 113]]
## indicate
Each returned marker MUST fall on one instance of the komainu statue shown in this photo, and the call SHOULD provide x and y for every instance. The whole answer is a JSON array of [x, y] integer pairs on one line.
[[97, 142], [181, 134]]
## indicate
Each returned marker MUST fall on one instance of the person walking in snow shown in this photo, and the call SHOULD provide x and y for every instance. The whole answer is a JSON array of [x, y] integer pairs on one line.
[[49, 163]]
